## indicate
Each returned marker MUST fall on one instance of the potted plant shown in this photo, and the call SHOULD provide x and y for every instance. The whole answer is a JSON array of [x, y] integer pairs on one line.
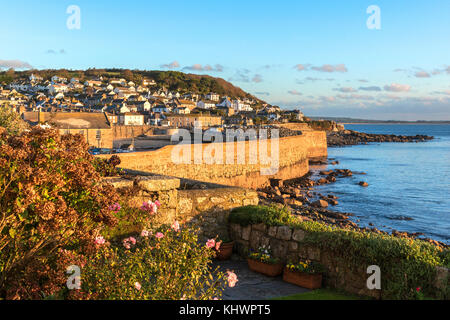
[[263, 262], [224, 248], [306, 274]]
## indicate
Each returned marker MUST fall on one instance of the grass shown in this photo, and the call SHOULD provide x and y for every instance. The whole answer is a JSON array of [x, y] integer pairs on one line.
[[322, 294]]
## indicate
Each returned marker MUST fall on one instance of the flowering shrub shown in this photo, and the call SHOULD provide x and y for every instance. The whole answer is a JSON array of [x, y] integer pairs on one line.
[[54, 213], [51, 207], [264, 254], [167, 263], [306, 266], [107, 168]]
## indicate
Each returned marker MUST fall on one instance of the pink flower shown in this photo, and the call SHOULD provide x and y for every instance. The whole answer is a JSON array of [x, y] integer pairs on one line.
[[418, 289], [127, 242], [215, 298], [158, 204], [159, 235], [176, 226], [232, 279], [115, 207], [145, 233], [218, 245], [150, 207], [99, 241], [137, 285], [211, 243]]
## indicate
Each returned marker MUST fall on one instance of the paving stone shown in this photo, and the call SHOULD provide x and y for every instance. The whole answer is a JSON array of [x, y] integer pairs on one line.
[[255, 286]]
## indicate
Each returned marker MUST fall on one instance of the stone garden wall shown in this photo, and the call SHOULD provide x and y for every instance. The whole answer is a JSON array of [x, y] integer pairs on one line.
[[206, 205], [285, 243]]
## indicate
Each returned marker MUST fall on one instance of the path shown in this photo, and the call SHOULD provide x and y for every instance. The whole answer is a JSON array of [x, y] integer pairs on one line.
[[255, 286]]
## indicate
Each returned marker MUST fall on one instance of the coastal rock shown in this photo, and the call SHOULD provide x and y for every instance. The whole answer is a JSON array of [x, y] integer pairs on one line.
[[320, 204], [363, 184]]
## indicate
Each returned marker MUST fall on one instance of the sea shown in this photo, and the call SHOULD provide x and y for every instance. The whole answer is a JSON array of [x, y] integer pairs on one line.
[[409, 183]]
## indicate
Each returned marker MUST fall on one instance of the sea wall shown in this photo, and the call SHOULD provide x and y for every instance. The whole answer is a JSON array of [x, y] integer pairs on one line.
[[292, 155], [286, 244]]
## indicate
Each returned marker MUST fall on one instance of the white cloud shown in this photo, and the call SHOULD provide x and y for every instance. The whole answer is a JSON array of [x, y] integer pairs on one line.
[[422, 74], [345, 89], [199, 67], [395, 87], [295, 92], [331, 68], [15, 64], [172, 65], [257, 78]]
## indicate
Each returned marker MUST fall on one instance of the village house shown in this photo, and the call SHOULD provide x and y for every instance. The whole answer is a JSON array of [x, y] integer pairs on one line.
[[206, 104], [131, 119], [213, 97], [92, 83], [188, 121]]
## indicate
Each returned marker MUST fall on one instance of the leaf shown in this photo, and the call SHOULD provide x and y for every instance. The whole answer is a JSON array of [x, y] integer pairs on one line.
[[12, 232]]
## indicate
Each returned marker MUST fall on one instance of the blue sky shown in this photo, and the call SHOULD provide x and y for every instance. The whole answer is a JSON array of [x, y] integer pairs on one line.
[[318, 56]]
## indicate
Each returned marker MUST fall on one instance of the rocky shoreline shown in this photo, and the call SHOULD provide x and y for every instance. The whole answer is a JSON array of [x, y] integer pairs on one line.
[[349, 137], [301, 198]]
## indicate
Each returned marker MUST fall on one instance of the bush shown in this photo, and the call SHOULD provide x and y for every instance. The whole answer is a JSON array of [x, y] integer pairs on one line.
[[107, 168], [405, 263], [160, 265], [51, 207], [55, 214], [11, 121]]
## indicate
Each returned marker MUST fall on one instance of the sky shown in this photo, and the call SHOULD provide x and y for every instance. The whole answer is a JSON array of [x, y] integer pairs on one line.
[[317, 56]]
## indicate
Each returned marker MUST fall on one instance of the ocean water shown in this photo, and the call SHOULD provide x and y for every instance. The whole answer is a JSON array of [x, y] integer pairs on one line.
[[409, 183]]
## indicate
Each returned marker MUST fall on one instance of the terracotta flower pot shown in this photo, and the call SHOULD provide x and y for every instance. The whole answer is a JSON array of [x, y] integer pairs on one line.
[[302, 279], [271, 270], [225, 251]]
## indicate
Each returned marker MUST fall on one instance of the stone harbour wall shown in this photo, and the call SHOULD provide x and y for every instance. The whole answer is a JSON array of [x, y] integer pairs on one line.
[[286, 244], [293, 155]]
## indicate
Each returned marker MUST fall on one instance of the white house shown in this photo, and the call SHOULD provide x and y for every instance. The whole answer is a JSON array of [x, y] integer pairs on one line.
[[131, 119], [238, 105], [58, 79], [35, 78], [213, 96], [56, 88], [93, 83], [182, 110], [205, 104]]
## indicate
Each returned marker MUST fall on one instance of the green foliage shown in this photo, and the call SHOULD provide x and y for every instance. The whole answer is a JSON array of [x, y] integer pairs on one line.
[[171, 80], [264, 255], [271, 216], [405, 263], [306, 266], [171, 267], [11, 121], [51, 207]]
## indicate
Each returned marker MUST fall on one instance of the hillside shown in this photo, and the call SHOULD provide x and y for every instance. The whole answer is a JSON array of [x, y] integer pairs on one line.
[[170, 80]]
